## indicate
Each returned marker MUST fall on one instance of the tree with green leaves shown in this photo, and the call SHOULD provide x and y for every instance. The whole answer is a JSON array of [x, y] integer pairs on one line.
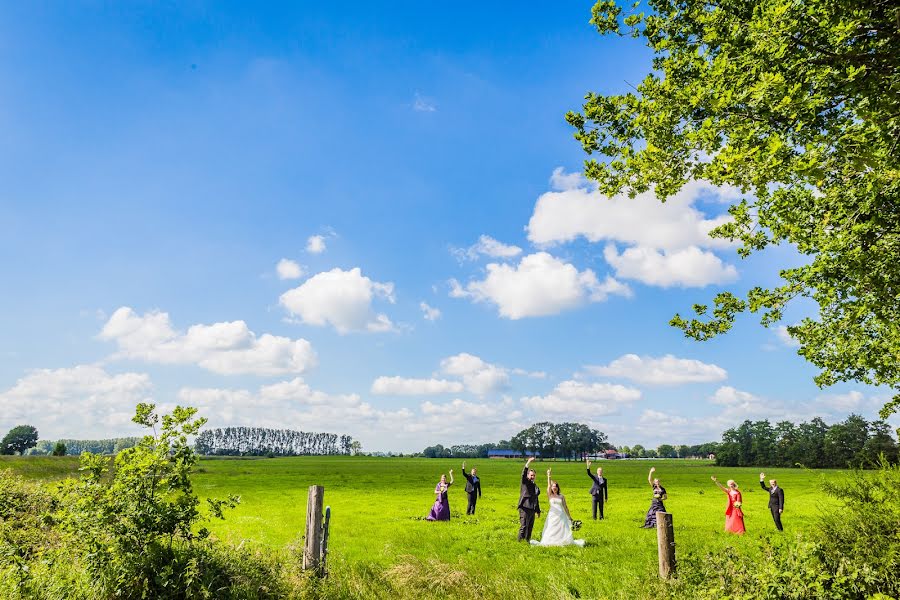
[[59, 449], [19, 439], [134, 522], [797, 104]]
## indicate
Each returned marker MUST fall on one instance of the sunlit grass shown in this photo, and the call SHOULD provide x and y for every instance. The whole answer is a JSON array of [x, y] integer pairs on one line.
[[381, 547]]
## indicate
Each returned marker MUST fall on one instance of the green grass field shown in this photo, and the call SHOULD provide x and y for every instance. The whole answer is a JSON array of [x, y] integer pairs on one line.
[[381, 547]]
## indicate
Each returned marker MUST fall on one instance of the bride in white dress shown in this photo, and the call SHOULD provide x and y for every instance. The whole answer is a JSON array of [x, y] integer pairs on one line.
[[558, 524]]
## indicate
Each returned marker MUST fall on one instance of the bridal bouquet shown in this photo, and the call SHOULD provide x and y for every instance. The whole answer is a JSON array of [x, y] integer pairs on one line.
[[737, 505], [657, 496], [576, 525]]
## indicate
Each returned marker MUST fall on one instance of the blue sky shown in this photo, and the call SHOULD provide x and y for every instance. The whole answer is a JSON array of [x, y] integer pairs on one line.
[[457, 279]]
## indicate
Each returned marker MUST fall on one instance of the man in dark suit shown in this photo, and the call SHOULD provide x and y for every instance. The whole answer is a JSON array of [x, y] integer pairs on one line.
[[473, 488], [599, 491], [776, 499], [529, 506]]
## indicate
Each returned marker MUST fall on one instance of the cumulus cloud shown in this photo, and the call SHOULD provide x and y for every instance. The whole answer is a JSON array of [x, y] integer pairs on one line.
[[583, 400], [487, 246], [785, 338], [295, 405], [227, 348], [539, 285], [667, 244], [665, 370], [288, 269], [429, 312], [342, 299], [687, 267], [846, 403], [562, 216], [401, 386], [479, 377], [82, 401], [289, 404], [315, 244]]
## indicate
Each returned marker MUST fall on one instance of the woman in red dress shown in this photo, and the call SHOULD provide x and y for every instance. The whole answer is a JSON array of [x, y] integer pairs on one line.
[[734, 516]]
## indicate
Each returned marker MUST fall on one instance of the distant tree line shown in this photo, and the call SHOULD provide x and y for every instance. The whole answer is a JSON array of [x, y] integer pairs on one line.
[[671, 451], [259, 441], [76, 447], [464, 450], [854, 442], [550, 440]]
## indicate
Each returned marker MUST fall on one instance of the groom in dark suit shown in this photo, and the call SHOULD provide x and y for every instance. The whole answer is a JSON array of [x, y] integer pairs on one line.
[[528, 502], [599, 491], [473, 488], [776, 499]]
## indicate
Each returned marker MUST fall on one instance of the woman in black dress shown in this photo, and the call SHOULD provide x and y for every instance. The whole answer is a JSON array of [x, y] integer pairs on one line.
[[659, 494]]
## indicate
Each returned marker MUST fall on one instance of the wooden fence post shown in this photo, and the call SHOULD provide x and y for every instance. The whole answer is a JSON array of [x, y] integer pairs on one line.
[[312, 552], [665, 540]]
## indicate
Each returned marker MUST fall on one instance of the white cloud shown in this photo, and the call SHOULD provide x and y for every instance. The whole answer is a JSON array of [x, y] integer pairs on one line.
[[531, 374], [478, 376], [562, 181], [79, 402], [285, 405], [487, 246], [846, 403], [342, 299], [665, 370], [429, 313], [785, 338], [562, 216], [288, 269], [315, 244], [583, 400], [295, 405], [227, 348], [401, 386], [540, 285], [686, 267], [667, 244], [729, 396], [423, 104]]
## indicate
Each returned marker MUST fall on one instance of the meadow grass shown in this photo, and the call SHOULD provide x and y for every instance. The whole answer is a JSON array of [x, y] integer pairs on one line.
[[380, 546]]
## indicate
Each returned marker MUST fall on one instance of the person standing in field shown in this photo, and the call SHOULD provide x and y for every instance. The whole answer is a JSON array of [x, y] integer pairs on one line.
[[656, 504], [558, 524], [529, 505], [599, 491], [473, 488], [440, 510], [776, 499], [734, 514]]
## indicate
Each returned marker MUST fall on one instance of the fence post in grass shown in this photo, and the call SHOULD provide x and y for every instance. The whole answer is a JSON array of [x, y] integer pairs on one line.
[[665, 540], [312, 551]]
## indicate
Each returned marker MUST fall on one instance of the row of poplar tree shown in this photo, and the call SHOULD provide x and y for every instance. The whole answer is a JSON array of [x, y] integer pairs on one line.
[[261, 441]]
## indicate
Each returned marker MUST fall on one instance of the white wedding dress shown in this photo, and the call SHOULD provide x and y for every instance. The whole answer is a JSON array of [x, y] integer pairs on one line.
[[557, 527]]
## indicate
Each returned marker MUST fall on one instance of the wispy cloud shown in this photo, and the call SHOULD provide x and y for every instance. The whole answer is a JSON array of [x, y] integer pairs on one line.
[[423, 104]]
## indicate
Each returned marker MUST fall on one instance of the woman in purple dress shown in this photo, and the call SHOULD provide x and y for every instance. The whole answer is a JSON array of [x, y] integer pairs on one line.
[[440, 511], [659, 494]]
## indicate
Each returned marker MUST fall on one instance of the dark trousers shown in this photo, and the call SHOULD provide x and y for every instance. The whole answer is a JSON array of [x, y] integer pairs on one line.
[[597, 505], [473, 498], [776, 516], [526, 523]]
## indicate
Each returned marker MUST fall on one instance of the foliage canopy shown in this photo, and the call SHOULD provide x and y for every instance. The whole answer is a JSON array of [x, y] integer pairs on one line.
[[19, 439], [796, 103]]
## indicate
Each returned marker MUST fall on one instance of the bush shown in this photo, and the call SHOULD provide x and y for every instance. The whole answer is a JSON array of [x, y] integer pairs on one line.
[[855, 553]]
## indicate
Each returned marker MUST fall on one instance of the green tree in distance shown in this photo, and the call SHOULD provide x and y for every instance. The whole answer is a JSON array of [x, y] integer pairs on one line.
[[797, 103], [19, 439]]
